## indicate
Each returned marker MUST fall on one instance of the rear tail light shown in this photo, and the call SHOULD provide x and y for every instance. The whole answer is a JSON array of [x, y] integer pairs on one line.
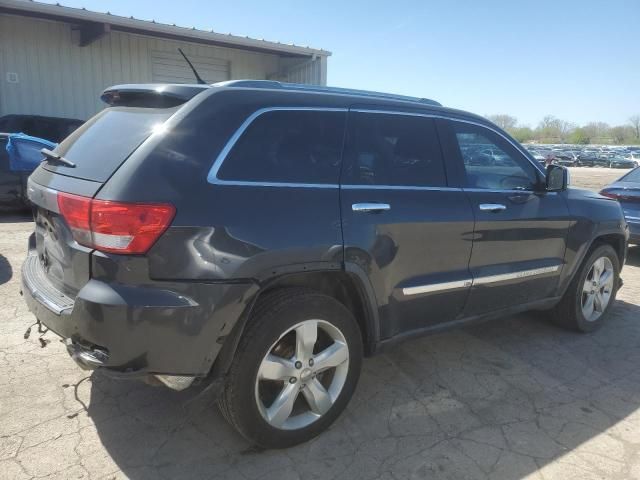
[[621, 195], [115, 227]]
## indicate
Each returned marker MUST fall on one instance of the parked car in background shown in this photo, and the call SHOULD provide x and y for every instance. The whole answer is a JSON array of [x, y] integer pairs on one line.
[[627, 191], [592, 160], [54, 129], [266, 236], [19, 156], [618, 161], [565, 159], [634, 157]]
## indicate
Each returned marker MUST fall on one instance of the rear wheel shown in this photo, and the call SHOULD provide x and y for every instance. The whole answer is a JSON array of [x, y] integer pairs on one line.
[[591, 293], [295, 369]]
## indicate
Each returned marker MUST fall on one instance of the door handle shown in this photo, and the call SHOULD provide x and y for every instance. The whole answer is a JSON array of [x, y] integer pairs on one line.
[[492, 207], [370, 207]]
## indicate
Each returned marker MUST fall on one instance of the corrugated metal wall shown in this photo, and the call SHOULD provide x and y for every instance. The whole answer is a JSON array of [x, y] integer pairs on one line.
[[311, 71], [57, 78]]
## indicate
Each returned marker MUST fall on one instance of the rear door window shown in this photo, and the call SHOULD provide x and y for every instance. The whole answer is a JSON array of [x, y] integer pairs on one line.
[[393, 150], [104, 142], [288, 146]]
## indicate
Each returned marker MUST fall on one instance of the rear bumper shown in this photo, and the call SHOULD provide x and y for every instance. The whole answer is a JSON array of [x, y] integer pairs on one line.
[[166, 328]]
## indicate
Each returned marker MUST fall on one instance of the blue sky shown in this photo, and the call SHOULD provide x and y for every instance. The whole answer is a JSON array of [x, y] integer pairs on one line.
[[577, 60]]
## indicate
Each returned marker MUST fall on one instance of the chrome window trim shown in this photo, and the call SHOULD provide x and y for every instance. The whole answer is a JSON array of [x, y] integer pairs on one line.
[[472, 282], [248, 183], [497, 190], [399, 187], [212, 176]]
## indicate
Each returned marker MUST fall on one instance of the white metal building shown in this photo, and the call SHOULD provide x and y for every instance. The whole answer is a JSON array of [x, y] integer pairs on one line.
[[56, 60]]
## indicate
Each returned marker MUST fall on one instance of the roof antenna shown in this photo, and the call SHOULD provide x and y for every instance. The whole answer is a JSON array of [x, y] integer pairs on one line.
[[200, 80]]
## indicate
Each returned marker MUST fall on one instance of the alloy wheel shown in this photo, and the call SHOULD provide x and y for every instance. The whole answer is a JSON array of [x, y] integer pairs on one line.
[[302, 375], [597, 289]]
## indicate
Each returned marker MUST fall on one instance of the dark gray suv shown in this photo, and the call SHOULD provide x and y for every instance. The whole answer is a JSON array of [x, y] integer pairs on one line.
[[266, 236]]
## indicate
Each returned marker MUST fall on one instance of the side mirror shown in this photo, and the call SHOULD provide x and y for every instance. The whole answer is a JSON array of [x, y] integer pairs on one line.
[[557, 178]]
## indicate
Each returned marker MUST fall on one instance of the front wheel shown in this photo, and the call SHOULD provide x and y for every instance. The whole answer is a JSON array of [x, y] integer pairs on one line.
[[295, 369], [591, 293]]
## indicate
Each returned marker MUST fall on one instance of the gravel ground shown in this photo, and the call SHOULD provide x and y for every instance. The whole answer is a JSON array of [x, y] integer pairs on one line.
[[514, 398]]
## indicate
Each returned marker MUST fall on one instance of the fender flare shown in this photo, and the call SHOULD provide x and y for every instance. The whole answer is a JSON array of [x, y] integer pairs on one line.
[[227, 353], [580, 257]]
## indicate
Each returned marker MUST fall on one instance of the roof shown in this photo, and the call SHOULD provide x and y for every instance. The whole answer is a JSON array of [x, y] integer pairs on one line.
[[153, 28]]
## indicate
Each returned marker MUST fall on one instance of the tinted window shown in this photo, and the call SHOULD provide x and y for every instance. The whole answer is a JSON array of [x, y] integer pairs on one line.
[[100, 145], [289, 146], [632, 176], [391, 149], [491, 162]]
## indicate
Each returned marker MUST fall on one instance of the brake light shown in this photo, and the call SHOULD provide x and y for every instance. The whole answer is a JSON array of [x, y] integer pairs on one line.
[[626, 196], [116, 227]]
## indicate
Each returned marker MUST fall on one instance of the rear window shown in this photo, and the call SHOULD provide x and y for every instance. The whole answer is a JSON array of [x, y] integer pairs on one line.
[[290, 146], [100, 146], [632, 176]]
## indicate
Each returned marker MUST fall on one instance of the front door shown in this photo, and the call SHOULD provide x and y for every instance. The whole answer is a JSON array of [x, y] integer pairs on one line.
[[520, 229], [402, 224]]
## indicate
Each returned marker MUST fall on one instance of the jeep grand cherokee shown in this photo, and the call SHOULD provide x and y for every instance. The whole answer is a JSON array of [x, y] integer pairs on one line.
[[267, 236]]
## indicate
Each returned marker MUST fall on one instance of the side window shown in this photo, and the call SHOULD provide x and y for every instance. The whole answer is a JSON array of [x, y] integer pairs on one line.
[[491, 162], [393, 149], [288, 146]]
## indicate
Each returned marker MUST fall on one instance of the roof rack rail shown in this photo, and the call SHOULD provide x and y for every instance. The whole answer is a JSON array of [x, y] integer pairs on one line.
[[317, 88]]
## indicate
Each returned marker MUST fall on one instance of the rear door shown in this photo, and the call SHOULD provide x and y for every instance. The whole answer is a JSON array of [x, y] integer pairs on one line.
[[402, 224], [520, 232]]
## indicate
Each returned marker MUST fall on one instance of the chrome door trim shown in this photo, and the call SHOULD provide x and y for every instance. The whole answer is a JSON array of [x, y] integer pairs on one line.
[[212, 176], [472, 282], [437, 287], [515, 275]]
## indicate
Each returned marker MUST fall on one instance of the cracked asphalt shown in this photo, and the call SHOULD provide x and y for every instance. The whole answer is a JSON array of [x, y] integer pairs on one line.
[[514, 398]]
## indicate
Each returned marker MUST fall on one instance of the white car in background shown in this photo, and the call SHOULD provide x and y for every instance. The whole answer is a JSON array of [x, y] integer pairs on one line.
[[634, 157]]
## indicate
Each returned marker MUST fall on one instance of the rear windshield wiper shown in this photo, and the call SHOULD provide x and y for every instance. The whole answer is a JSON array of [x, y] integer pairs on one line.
[[51, 156]]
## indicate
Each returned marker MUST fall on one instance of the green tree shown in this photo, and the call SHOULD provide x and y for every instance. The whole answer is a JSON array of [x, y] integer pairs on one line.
[[522, 134], [552, 130], [579, 136], [622, 134]]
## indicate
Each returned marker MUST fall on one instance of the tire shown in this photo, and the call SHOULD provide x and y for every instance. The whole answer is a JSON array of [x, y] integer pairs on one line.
[[569, 312], [269, 332]]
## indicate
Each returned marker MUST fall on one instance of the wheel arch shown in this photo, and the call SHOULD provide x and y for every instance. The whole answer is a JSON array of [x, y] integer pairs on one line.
[[349, 286], [615, 239]]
